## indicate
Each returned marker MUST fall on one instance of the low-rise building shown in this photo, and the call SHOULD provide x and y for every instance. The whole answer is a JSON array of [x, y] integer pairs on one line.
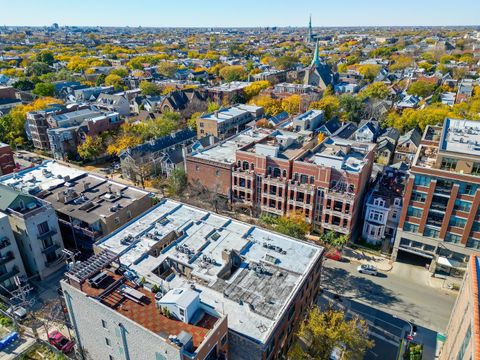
[[7, 162], [224, 289], [226, 122], [113, 103], [383, 208], [287, 173], [36, 231], [11, 263], [88, 206]]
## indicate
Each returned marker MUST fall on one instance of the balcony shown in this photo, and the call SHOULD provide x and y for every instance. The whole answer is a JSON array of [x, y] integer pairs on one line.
[[438, 207], [50, 248], [46, 234], [6, 258], [4, 242], [9, 274]]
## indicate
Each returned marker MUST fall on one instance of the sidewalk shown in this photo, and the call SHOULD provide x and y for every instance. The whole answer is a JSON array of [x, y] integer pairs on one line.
[[367, 258]]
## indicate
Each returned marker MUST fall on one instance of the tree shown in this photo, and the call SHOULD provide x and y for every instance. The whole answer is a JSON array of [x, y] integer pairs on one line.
[[122, 72], [291, 104], [115, 81], [91, 148], [369, 71], [100, 80], [352, 107], [255, 87], [212, 106], [334, 240], [329, 104], [24, 85], [376, 90], [286, 62], [149, 88], [45, 57], [233, 73], [401, 62], [271, 106], [177, 182], [192, 122], [167, 68], [37, 69], [325, 330], [44, 89], [293, 225], [421, 88]]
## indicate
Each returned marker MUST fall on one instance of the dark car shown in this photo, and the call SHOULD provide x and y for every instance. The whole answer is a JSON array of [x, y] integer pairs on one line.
[[60, 342]]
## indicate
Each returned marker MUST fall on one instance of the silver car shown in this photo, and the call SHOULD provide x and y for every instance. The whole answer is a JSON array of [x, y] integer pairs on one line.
[[367, 269]]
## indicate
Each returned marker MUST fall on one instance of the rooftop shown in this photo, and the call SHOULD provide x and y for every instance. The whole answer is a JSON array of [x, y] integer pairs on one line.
[[341, 154], [231, 86], [461, 136], [224, 151], [75, 192], [225, 114], [249, 273]]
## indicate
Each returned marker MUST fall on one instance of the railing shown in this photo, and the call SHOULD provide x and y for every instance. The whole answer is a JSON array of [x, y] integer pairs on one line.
[[6, 258], [8, 274], [48, 233]]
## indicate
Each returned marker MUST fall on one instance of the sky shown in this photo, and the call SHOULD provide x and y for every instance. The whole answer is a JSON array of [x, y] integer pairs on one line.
[[239, 13]]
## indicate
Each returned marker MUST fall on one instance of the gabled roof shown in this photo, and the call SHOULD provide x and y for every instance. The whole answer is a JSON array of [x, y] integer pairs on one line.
[[414, 135]]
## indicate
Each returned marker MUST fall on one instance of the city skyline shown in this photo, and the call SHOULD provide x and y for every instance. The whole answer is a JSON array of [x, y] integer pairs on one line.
[[224, 14]]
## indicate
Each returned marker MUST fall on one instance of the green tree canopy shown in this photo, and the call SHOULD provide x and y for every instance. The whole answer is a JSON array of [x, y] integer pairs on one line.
[[44, 89]]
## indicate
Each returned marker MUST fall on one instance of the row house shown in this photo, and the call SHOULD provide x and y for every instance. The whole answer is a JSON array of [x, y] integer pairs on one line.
[[289, 174]]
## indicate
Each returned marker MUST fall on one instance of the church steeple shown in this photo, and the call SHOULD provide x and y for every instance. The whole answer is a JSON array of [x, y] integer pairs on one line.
[[309, 38], [316, 56]]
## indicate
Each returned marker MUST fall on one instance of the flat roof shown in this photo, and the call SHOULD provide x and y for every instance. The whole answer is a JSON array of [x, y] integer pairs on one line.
[[92, 196], [461, 136], [254, 296], [224, 152]]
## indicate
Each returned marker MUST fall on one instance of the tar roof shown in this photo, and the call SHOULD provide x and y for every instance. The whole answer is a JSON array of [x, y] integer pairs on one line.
[[254, 296]]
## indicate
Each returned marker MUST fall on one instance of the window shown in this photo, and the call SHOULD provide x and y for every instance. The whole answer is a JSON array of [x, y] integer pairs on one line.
[[457, 222], [284, 173], [470, 189], [410, 227], [452, 238], [473, 244], [462, 205], [434, 233], [419, 196], [465, 343], [217, 172], [107, 341], [312, 179], [104, 324], [182, 312], [197, 168], [129, 214], [252, 166], [117, 220], [476, 169], [448, 164], [415, 212], [43, 228], [422, 180]]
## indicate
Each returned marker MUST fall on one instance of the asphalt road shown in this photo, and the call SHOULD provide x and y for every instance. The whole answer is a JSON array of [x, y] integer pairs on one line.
[[402, 292]]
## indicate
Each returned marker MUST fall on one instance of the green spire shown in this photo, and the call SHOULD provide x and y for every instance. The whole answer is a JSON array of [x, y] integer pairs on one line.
[[316, 56]]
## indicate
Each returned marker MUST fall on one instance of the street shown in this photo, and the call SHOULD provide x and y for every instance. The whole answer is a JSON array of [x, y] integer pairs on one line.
[[403, 292]]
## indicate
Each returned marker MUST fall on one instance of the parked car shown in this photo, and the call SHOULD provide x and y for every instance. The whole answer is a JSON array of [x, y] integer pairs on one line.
[[60, 342], [367, 269], [334, 254]]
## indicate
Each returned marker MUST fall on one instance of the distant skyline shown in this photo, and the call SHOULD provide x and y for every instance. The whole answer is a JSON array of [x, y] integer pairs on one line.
[[245, 13]]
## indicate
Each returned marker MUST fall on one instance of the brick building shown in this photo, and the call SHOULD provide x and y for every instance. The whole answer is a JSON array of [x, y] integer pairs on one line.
[[440, 220], [7, 162], [287, 173], [212, 168], [463, 331], [238, 291]]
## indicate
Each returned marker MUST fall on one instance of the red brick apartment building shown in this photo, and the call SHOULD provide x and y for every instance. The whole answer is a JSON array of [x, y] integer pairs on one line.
[[7, 163], [282, 173], [440, 220], [463, 331]]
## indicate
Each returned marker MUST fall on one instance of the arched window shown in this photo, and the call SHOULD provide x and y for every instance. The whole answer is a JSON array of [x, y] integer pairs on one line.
[[245, 165], [284, 173], [276, 172], [252, 166], [239, 163]]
